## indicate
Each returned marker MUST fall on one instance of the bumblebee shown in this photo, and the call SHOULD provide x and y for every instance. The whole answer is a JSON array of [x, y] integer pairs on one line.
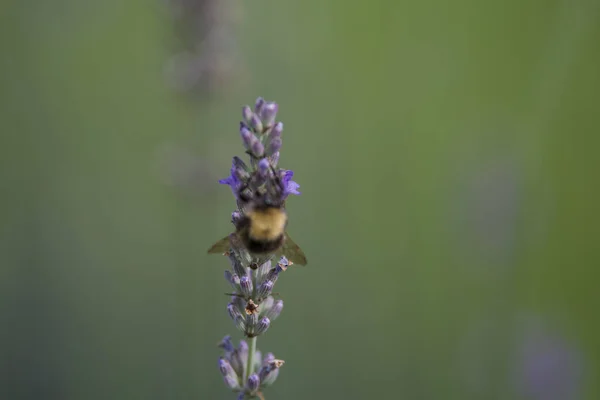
[[262, 231], [261, 227]]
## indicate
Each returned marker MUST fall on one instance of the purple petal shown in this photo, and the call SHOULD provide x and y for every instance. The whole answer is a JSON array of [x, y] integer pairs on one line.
[[232, 180], [289, 186], [292, 188]]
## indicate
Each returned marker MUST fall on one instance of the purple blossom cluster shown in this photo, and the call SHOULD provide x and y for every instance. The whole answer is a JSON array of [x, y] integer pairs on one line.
[[252, 306], [234, 368], [261, 137]]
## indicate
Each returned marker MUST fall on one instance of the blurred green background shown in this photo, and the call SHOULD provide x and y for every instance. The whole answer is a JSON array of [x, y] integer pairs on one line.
[[447, 154]]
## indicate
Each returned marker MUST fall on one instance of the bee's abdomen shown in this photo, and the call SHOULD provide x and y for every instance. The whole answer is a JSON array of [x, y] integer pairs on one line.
[[264, 246]]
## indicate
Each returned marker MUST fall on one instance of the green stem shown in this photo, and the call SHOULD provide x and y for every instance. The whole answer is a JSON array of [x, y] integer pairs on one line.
[[251, 351]]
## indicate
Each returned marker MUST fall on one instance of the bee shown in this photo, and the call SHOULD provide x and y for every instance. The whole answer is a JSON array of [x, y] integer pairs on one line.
[[261, 228]]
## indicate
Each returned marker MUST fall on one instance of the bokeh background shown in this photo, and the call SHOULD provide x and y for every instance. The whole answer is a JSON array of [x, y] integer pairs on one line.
[[448, 157]]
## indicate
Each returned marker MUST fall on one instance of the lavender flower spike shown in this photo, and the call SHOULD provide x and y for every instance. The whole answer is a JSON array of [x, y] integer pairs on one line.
[[253, 274]]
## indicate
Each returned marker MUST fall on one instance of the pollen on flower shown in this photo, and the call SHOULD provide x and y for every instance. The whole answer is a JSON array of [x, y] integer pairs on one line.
[[251, 307]]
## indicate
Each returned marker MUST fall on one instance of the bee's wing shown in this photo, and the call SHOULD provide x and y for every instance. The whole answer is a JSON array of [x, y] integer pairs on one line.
[[292, 251], [221, 246]]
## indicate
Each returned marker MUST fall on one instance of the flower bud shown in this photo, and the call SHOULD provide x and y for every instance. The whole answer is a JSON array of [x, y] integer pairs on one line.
[[274, 145], [268, 358], [274, 159], [239, 358], [252, 384], [233, 311], [257, 361], [270, 370], [251, 322], [238, 302], [265, 289], [273, 274], [240, 323], [273, 312], [226, 344], [258, 105], [276, 131], [264, 168], [246, 285], [233, 280], [229, 375], [262, 326], [243, 348], [257, 148], [238, 268], [247, 114], [231, 383], [256, 124], [266, 305], [262, 271], [247, 137], [268, 114], [225, 367]]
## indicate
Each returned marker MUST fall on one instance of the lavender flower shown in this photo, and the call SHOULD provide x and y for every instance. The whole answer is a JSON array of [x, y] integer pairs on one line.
[[290, 187], [229, 375], [236, 375], [273, 312], [268, 113], [256, 123], [252, 307], [265, 289], [253, 384], [262, 326], [269, 370], [246, 285]]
